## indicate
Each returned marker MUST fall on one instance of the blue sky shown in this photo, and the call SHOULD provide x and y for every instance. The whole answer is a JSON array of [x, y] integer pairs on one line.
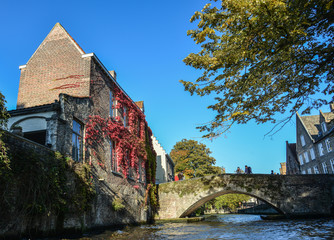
[[145, 43]]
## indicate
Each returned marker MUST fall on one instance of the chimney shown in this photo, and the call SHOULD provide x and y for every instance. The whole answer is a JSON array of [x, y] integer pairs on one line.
[[331, 105], [113, 74]]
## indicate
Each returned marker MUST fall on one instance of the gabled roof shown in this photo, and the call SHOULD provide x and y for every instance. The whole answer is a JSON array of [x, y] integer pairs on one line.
[[58, 31], [312, 124]]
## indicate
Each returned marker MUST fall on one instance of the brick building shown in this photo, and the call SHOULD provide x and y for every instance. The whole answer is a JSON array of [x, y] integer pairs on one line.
[[314, 145], [61, 90]]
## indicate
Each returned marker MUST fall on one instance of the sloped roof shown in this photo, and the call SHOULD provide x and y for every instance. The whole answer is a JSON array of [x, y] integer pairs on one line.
[[312, 123], [58, 31]]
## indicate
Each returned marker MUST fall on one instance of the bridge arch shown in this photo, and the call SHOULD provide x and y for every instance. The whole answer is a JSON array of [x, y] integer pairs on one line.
[[291, 195], [206, 199]]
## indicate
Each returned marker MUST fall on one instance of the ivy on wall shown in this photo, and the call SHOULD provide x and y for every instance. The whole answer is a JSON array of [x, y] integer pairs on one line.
[[132, 140], [42, 185]]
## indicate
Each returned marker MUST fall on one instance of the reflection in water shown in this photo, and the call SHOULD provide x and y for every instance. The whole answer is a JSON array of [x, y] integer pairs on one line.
[[227, 227]]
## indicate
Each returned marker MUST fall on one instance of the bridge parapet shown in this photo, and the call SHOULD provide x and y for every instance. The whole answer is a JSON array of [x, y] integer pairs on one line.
[[291, 195]]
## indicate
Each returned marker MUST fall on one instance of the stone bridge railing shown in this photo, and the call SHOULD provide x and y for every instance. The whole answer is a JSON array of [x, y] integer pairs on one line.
[[291, 195]]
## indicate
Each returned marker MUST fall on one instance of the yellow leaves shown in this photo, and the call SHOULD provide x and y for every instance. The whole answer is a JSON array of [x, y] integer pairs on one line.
[[201, 37], [238, 114], [329, 4]]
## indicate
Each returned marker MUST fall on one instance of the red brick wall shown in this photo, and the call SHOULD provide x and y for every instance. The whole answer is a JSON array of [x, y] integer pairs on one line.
[[56, 67], [100, 88]]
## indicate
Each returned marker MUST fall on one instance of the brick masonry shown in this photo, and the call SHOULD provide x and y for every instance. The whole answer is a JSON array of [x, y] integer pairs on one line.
[[56, 67]]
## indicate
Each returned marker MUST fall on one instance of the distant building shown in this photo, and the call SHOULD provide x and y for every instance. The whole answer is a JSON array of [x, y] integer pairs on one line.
[[165, 164], [282, 169], [292, 163], [314, 145]]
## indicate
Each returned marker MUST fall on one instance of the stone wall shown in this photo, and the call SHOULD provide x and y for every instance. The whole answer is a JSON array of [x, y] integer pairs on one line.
[[291, 195], [101, 212]]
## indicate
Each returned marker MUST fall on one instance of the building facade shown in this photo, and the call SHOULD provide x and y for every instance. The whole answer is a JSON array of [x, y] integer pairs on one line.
[[292, 163], [314, 143], [165, 164], [69, 102]]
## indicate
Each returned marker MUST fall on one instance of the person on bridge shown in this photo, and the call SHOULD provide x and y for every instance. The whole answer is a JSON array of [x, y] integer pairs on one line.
[[238, 171], [246, 170]]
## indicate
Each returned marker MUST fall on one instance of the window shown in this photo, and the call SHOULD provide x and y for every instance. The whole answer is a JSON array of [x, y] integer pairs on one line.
[[125, 117], [332, 165], [306, 157], [36, 136], [328, 145], [302, 140], [141, 170], [309, 171], [112, 104], [312, 153], [324, 127], [321, 150], [316, 170], [303, 172], [77, 141], [138, 127], [130, 168], [301, 159], [324, 167], [113, 156]]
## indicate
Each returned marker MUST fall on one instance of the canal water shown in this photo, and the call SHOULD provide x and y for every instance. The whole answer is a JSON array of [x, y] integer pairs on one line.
[[225, 226]]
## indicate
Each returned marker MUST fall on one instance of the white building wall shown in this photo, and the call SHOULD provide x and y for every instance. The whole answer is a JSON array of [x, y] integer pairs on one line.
[[161, 172]]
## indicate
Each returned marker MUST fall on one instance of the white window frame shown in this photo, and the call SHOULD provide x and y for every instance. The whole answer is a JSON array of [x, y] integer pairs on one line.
[[125, 117], [312, 153], [309, 171], [324, 127], [77, 140], [301, 161], [332, 165], [324, 167], [321, 149], [316, 170], [113, 157], [306, 157], [112, 104], [302, 140], [328, 145]]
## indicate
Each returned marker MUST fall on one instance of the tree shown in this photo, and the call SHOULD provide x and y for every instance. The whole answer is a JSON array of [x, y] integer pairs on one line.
[[3, 110], [193, 159], [4, 160], [262, 57], [227, 201]]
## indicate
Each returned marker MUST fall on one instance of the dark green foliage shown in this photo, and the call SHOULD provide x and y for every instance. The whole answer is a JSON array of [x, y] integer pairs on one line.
[[4, 160], [228, 202], [193, 159], [150, 166], [260, 58], [38, 186], [3, 110]]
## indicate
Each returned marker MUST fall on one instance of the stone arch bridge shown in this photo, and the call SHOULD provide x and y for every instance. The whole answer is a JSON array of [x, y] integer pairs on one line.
[[291, 195]]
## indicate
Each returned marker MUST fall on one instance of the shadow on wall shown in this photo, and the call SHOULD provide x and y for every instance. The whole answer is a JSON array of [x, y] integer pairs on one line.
[[161, 173], [41, 191]]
